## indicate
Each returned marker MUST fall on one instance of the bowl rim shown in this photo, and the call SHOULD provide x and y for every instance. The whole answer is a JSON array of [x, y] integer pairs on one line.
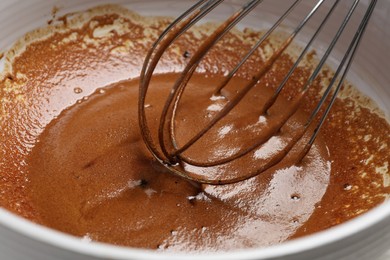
[[77, 245], [57, 239]]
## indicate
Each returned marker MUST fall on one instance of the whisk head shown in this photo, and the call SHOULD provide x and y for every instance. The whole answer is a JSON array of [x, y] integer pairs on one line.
[[163, 142]]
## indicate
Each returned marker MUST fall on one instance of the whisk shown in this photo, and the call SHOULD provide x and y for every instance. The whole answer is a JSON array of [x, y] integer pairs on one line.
[[171, 156]]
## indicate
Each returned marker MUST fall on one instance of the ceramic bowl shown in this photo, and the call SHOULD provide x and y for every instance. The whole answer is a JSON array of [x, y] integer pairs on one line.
[[365, 237]]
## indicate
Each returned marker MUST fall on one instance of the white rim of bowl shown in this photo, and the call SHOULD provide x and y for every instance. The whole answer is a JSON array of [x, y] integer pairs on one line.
[[95, 249], [100, 250]]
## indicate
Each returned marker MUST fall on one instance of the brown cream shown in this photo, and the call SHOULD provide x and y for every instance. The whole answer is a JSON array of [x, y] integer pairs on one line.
[[72, 157]]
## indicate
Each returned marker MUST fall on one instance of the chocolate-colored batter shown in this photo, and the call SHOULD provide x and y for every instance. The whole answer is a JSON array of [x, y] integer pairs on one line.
[[72, 157], [104, 183]]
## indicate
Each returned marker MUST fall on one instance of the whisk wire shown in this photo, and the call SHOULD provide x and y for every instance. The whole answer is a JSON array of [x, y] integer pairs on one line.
[[331, 46], [348, 58], [255, 47], [300, 58], [196, 12], [188, 71], [234, 101]]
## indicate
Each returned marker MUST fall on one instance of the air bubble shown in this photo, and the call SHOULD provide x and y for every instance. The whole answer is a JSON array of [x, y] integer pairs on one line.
[[78, 90], [295, 197], [347, 186], [186, 54], [162, 247]]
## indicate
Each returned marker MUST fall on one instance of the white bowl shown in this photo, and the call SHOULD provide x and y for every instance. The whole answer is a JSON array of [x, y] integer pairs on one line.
[[365, 237]]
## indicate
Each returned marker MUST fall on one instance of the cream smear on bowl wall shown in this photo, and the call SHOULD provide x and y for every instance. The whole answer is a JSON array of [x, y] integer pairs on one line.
[[358, 232]]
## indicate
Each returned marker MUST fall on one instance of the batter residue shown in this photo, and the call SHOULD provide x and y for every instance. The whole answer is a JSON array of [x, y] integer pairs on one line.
[[72, 158]]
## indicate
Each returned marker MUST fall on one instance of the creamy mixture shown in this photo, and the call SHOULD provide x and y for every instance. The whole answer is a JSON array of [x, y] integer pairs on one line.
[[72, 157]]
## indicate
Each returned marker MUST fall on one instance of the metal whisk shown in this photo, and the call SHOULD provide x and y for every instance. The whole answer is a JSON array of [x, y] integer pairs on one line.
[[170, 155]]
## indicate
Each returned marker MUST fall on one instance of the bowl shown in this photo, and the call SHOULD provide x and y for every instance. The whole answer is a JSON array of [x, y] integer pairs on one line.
[[364, 237]]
